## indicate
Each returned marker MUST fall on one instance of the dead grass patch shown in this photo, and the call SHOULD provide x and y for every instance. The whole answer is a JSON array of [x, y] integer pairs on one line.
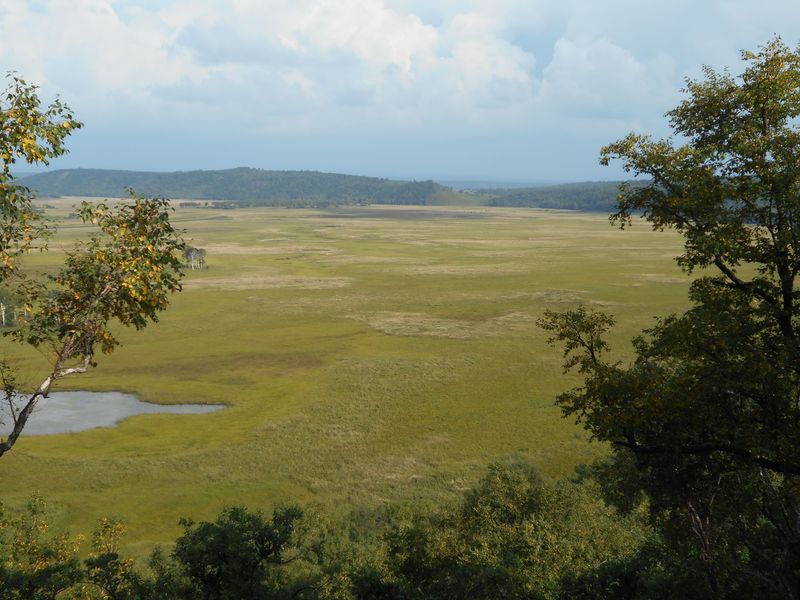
[[355, 260], [661, 278], [421, 324], [550, 296], [238, 249], [490, 269], [269, 280]]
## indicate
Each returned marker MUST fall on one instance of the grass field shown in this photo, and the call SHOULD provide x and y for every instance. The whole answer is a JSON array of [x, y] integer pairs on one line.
[[368, 355]]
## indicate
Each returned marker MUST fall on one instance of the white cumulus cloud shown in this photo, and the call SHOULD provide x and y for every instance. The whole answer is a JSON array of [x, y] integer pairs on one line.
[[378, 67]]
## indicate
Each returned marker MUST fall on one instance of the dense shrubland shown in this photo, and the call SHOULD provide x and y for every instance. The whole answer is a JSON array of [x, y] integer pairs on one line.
[[513, 536]]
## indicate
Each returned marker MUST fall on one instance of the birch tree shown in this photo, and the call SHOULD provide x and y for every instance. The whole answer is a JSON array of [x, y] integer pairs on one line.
[[123, 274]]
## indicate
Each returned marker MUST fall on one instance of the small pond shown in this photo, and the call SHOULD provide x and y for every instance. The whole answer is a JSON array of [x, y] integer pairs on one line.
[[63, 412]]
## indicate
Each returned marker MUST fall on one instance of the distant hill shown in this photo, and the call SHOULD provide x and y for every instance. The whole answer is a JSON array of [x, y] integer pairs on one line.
[[595, 196], [258, 187], [246, 187], [494, 184]]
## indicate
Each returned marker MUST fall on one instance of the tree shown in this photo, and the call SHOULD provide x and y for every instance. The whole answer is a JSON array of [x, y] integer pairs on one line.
[[513, 536], [124, 274], [35, 564], [241, 554], [709, 409], [35, 135]]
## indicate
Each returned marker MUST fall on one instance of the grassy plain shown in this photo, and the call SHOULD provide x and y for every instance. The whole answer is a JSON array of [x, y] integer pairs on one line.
[[368, 355]]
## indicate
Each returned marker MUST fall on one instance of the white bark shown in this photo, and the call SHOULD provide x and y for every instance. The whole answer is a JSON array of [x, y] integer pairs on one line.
[[21, 418]]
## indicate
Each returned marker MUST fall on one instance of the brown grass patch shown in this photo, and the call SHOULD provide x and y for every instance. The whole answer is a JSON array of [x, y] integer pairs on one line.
[[550, 296], [355, 260], [238, 249], [490, 269], [421, 324], [269, 280], [661, 278]]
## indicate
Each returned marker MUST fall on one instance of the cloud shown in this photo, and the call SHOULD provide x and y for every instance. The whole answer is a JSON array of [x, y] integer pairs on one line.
[[85, 51], [378, 67], [327, 54], [595, 79]]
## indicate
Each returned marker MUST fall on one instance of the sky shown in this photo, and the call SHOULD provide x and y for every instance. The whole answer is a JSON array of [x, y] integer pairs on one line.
[[513, 90]]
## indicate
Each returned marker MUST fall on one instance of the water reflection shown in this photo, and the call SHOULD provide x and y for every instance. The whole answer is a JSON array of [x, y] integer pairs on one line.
[[63, 412]]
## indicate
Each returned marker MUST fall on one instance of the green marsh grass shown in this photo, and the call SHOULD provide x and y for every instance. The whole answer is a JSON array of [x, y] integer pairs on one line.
[[368, 356]]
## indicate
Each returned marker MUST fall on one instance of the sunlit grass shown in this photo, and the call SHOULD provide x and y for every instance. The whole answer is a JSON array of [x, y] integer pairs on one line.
[[368, 356]]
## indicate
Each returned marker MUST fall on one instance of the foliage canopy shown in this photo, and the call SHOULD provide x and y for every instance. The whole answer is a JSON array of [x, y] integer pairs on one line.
[[709, 408], [125, 274], [34, 135]]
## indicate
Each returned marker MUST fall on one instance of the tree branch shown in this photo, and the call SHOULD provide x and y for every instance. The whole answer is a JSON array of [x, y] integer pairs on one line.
[[742, 285], [777, 466], [42, 391], [87, 362]]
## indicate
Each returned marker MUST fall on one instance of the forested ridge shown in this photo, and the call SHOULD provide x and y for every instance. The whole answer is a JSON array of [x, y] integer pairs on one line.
[[592, 196], [243, 186], [258, 187]]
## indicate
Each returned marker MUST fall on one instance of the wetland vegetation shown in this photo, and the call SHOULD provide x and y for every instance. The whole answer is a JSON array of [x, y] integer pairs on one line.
[[375, 360], [365, 360]]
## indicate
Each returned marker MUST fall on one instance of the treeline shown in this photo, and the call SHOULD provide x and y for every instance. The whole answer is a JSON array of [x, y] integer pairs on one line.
[[513, 536], [593, 196], [243, 187]]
